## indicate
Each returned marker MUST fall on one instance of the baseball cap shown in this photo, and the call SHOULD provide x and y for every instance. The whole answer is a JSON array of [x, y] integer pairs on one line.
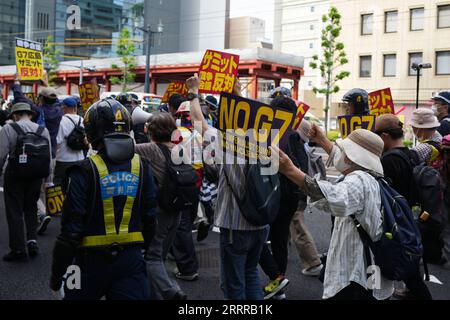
[[443, 96], [70, 102], [48, 93]]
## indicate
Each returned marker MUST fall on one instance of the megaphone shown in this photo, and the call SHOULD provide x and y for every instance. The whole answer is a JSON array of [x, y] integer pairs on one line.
[[140, 116]]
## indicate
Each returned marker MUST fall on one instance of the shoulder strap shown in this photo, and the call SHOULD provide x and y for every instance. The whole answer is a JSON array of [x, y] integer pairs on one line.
[[18, 129], [434, 144], [365, 238], [71, 120], [40, 130]]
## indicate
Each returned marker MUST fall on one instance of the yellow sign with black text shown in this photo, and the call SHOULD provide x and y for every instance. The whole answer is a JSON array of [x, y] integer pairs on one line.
[[249, 127], [54, 200], [348, 124], [29, 60]]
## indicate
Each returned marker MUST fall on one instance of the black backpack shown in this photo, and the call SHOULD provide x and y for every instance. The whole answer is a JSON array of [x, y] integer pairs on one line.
[[31, 157], [76, 139], [427, 192], [179, 189], [261, 200]]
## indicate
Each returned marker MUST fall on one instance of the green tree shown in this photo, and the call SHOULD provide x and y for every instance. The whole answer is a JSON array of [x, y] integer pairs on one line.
[[51, 59], [125, 50], [333, 57]]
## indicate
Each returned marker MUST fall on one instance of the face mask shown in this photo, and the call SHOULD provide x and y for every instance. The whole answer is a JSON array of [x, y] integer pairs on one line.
[[178, 122], [435, 109], [341, 165]]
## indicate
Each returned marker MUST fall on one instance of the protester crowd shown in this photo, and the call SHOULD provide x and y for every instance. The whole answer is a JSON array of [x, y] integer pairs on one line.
[[129, 206]]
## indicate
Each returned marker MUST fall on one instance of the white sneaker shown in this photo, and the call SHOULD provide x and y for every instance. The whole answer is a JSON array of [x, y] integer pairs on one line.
[[313, 272]]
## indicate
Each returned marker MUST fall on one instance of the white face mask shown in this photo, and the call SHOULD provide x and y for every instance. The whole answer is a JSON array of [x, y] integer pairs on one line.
[[341, 165], [178, 122], [435, 109]]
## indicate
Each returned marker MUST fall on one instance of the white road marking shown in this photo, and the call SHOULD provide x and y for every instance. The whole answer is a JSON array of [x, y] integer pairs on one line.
[[434, 280], [1, 189]]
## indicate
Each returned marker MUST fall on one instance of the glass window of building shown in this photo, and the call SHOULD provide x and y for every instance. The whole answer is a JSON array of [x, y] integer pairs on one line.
[[444, 16], [416, 18], [366, 24], [442, 62], [365, 66], [389, 65], [390, 21]]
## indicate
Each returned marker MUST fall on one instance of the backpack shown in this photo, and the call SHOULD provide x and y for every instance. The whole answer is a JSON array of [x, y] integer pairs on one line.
[[426, 187], [179, 189], [76, 139], [31, 157], [261, 199], [399, 250]]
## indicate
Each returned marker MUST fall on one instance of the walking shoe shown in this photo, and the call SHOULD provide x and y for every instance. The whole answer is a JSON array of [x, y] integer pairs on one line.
[[203, 230], [33, 249], [403, 294], [15, 256], [275, 286], [313, 271], [279, 296], [186, 277], [180, 295], [43, 223]]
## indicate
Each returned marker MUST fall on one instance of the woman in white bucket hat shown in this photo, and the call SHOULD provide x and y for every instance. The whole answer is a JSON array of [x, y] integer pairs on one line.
[[357, 194]]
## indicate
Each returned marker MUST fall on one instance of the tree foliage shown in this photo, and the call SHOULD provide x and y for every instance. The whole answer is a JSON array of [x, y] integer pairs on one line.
[[51, 59], [333, 57], [125, 50]]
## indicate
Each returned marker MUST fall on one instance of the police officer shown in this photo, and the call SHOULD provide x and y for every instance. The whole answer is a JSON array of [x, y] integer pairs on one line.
[[357, 102], [108, 212]]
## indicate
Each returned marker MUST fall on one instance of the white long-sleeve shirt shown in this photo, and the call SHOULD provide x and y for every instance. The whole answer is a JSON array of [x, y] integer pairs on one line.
[[358, 194], [63, 152]]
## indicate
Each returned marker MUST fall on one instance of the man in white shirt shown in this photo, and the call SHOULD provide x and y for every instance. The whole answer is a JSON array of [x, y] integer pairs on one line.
[[65, 155], [357, 194]]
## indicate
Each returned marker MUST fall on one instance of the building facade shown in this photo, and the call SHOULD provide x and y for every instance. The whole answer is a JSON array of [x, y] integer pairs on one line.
[[382, 40], [248, 32], [297, 30], [12, 24]]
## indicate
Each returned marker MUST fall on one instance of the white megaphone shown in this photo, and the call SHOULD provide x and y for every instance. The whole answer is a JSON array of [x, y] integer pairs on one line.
[[140, 116]]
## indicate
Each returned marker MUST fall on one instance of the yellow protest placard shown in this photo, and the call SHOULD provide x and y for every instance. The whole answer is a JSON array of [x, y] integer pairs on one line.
[[54, 200], [89, 94], [29, 60]]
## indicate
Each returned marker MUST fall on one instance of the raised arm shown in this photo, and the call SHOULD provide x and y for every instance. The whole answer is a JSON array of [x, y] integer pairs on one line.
[[197, 117]]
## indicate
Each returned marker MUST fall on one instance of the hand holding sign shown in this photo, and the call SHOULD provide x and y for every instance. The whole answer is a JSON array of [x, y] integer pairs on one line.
[[193, 83]]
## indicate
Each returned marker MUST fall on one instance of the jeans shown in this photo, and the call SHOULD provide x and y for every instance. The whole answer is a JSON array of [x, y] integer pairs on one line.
[[183, 248], [240, 252], [21, 199], [166, 228], [124, 278], [275, 263]]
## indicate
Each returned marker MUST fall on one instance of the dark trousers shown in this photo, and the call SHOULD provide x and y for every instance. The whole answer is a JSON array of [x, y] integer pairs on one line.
[[275, 263], [183, 248], [59, 178], [21, 199], [353, 292], [122, 278], [417, 287]]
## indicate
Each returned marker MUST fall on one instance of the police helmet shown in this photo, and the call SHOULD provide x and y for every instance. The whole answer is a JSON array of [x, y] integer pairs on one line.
[[360, 99], [280, 91], [125, 98], [106, 117]]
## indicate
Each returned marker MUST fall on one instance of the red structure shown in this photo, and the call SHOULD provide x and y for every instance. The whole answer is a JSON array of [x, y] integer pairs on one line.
[[255, 69]]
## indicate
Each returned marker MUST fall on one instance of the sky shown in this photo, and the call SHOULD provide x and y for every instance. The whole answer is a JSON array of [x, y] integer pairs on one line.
[[263, 9]]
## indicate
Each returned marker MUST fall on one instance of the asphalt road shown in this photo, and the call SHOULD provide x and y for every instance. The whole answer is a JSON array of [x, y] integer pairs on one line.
[[29, 280]]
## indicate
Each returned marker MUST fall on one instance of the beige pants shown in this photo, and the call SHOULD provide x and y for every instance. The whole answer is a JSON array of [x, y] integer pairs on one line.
[[303, 241]]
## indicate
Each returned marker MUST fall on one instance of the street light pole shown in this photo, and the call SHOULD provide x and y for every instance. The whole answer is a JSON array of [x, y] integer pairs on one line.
[[418, 68], [81, 73], [147, 63]]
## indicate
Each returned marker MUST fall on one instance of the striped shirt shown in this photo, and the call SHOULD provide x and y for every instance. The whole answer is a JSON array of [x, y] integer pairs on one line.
[[425, 150], [358, 194], [228, 215]]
